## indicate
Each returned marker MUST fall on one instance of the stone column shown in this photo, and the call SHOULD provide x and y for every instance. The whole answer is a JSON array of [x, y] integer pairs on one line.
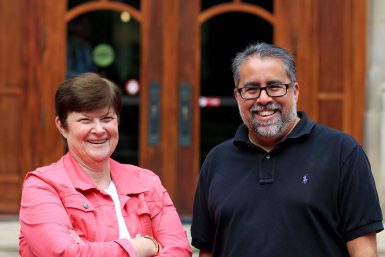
[[374, 129]]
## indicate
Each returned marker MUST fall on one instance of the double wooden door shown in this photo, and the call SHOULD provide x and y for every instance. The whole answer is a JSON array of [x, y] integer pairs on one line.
[[172, 59]]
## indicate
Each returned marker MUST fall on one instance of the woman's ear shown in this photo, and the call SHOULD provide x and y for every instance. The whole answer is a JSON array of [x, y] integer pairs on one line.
[[60, 127]]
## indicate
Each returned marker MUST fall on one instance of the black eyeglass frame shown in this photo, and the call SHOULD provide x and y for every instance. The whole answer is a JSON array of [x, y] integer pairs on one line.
[[287, 85]]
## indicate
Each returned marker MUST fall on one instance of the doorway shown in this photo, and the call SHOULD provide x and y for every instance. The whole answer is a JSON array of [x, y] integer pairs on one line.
[[174, 119], [218, 48], [108, 42], [177, 57]]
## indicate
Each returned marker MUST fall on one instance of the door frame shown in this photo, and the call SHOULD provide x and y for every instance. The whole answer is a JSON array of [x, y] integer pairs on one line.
[[170, 56]]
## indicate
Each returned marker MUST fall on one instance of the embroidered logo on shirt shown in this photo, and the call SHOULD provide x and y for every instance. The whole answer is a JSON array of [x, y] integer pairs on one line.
[[305, 179]]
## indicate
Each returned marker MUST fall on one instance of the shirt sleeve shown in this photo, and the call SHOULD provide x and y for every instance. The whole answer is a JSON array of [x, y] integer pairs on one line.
[[202, 227], [167, 227], [45, 226], [359, 204]]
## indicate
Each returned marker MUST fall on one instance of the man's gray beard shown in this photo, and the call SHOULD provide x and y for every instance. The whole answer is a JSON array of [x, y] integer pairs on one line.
[[272, 128]]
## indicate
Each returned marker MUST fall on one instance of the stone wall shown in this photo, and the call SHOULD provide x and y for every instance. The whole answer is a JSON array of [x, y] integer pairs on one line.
[[374, 138]]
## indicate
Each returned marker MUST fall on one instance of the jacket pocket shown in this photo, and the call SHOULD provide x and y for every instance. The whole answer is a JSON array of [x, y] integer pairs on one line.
[[82, 215], [140, 215]]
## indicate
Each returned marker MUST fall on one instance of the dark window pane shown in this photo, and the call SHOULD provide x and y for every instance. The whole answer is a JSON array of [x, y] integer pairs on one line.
[[133, 3], [265, 4], [222, 37], [106, 43]]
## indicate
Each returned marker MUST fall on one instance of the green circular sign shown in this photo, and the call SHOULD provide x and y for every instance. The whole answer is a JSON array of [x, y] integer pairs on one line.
[[103, 55]]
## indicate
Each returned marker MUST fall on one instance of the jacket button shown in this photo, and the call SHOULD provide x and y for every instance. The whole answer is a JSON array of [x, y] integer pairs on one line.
[[85, 205]]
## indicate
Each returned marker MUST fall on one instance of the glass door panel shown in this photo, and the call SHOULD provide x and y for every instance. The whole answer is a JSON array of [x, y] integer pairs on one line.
[[108, 43], [219, 112], [133, 3]]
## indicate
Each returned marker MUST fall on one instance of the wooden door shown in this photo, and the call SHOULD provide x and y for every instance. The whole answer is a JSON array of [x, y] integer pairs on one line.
[[210, 34], [336, 50], [25, 89], [178, 156], [327, 38], [11, 106]]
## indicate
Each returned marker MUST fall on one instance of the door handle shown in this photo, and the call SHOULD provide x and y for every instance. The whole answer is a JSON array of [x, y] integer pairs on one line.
[[185, 115], [154, 114]]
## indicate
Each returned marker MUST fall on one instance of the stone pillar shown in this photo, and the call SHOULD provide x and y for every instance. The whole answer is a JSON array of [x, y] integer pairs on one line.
[[374, 137]]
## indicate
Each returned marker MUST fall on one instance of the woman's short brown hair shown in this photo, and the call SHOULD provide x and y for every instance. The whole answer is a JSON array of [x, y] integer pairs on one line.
[[86, 92]]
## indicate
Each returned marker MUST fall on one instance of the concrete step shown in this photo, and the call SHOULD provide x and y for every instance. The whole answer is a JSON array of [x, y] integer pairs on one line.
[[9, 239]]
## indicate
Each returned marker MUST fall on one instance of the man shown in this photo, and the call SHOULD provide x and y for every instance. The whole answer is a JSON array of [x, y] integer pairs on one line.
[[284, 185]]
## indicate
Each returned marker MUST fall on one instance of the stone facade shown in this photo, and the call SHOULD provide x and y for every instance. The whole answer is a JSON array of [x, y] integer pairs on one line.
[[374, 130]]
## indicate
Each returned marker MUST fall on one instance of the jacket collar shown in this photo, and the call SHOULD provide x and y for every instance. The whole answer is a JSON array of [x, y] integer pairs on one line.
[[127, 178]]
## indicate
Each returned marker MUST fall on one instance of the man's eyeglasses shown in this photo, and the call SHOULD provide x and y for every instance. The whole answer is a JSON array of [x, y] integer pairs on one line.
[[272, 90]]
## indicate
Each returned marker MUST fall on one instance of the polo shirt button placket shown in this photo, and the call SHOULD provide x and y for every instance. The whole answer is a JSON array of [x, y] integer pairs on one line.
[[266, 170]]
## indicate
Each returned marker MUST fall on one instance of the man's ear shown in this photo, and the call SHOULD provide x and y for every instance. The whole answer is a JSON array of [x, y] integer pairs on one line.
[[296, 91], [60, 127], [236, 94]]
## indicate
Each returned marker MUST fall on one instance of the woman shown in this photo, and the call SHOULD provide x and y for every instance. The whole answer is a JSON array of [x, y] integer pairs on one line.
[[87, 204]]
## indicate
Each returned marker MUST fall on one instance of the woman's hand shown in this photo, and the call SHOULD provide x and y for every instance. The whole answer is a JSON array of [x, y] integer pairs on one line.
[[146, 246], [75, 237]]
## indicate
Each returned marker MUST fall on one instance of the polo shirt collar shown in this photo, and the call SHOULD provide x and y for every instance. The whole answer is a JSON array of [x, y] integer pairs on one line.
[[303, 128], [127, 181]]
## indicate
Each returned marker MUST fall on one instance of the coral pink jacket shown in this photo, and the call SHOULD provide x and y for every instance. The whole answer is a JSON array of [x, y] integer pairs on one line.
[[61, 197]]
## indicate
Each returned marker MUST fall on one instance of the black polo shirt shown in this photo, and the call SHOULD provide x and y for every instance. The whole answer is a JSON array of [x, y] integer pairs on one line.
[[307, 197]]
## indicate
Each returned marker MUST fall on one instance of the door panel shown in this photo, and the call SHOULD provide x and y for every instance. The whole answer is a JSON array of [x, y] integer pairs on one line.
[[218, 48], [106, 39], [19, 127], [10, 106], [187, 156]]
